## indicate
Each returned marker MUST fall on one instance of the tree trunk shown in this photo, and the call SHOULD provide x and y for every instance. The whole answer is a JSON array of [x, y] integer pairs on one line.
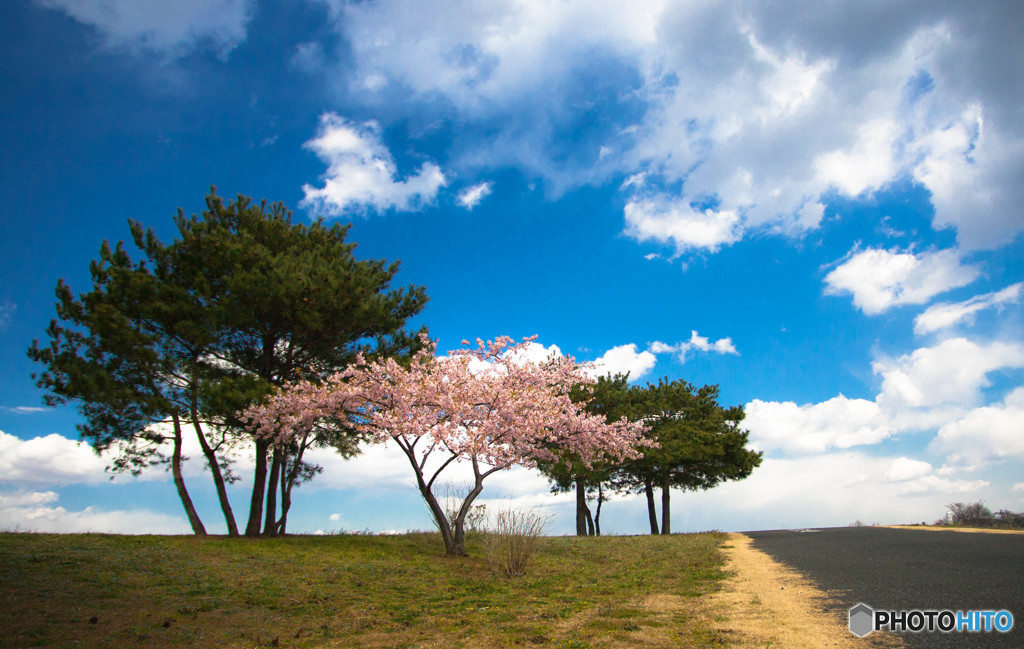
[[597, 514], [581, 508], [218, 477], [179, 482], [270, 524], [259, 486], [666, 515], [287, 481], [652, 513], [590, 523], [289, 475], [458, 548]]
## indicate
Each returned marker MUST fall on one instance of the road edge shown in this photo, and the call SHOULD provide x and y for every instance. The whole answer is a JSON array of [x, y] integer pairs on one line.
[[764, 603]]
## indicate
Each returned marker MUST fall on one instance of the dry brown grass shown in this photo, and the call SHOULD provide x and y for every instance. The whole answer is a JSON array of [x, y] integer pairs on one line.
[[764, 604], [954, 528]]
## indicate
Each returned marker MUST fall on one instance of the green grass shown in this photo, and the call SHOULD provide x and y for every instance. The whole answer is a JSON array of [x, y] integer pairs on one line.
[[350, 591]]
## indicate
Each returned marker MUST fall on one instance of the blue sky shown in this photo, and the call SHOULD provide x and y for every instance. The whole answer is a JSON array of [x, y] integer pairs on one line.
[[814, 205]]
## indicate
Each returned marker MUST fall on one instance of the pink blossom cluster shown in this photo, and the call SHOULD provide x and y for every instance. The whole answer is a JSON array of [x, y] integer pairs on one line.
[[487, 405]]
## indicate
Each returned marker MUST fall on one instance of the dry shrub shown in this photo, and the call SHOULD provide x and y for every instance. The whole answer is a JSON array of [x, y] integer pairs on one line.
[[513, 540]]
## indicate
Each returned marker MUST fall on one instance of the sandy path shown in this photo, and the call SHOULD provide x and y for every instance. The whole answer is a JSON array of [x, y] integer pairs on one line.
[[765, 604], [971, 530]]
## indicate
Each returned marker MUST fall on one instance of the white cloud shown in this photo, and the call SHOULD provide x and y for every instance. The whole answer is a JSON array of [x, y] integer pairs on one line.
[[33, 512], [765, 108], [382, 465], [821, 490], [623, 359], [903, 469], [964, 166], [923, 390], [480, 54], [362, 174], [665, 220], [471, 196], [986, 434], [880, 279], [839, 423], [47, 461], [55, 460], [23, 410], [867, 166], [169, 28], [27, 498], [947, 314], [696, 343]]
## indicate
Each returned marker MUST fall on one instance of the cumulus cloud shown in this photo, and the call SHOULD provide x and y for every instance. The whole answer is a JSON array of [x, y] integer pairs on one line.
[[923, 390], [986, 434], [880, 279], [470, 197], [666, 220], [839, 423], [927, 387], [55, 460], [172, 29], [48, 461], [947, 314], [869, 164], [361, 172], [695, 343], [624, 359], [35, 512], [766, 109]]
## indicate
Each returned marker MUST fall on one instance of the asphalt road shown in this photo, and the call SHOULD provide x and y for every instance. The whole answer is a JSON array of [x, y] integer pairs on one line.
[[904, 569]]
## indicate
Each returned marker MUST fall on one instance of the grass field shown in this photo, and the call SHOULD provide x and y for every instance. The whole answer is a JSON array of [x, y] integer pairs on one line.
[[353, 591]]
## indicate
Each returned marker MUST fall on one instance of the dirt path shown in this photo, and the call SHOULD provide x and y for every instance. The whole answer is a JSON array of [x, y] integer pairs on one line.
[[764, 604], [972, 530]]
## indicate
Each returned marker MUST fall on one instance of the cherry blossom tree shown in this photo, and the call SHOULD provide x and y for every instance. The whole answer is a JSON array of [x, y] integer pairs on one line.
[[489, 406]]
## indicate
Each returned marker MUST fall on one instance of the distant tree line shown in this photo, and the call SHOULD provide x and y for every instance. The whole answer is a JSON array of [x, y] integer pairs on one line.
[[257, 334], [976, 514]]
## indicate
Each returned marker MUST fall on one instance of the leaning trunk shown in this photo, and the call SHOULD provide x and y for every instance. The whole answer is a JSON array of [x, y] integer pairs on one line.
[[179, 482], [597, 513], [259, 486], [218, 477], [443, 524], [652, 513], [289, 476], [459, 533], [666, 526]]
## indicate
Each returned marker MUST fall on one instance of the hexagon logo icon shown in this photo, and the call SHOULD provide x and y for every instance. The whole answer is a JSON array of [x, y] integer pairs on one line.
[[861, 620]]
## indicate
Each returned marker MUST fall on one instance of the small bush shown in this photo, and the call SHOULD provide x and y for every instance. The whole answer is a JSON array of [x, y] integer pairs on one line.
[[513, 540]]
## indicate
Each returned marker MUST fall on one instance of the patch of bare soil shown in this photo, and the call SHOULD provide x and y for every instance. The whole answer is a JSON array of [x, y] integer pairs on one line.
[[766, 605], [973, 530]]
